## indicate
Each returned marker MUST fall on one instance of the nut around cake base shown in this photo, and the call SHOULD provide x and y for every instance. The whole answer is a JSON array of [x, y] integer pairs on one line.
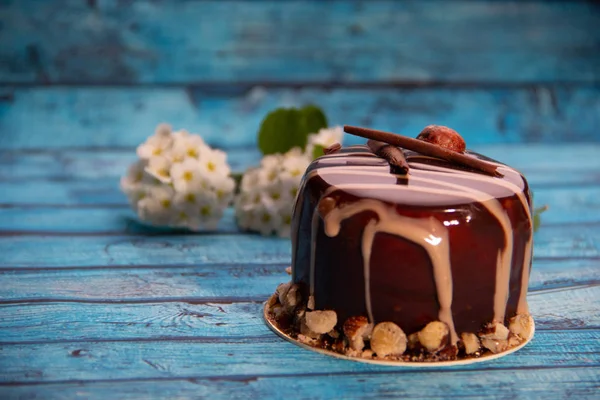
[[288, 325]]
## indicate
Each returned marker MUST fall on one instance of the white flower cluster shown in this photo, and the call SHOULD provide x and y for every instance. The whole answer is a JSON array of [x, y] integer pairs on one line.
[[267, 193], [179, 181]]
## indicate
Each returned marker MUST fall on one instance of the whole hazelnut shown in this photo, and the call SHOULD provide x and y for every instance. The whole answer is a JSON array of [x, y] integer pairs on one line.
[[320, 321], [388, 339], [434, 336], [443, 137]]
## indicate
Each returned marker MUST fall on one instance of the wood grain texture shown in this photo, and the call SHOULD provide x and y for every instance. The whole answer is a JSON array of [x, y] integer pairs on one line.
[[96, 305], [205, 283], [120, 360], [174, 250], [362, 41], [93, 220], [32, 205], [221, 320], [38, 251], [547, 383], [117, 117], [60, 165], [538, 161], [191, 283]]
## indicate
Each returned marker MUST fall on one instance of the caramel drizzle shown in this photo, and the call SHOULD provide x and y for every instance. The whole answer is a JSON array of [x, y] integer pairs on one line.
[[443, 285], [522, 305], [427, 232]]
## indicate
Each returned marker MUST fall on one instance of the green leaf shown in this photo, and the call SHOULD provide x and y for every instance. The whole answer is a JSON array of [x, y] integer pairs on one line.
[[537, 219], [285, 128], [318, 151], [314, 118]]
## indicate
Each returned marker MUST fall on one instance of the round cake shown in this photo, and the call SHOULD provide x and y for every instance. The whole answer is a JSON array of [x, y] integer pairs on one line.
[[427, 264]]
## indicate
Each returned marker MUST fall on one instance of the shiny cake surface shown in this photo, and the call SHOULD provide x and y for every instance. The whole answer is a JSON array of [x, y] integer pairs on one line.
[[440, 243]]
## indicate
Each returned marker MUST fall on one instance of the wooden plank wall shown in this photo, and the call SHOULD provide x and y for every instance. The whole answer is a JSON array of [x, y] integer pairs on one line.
[[499, 72], [93, 304]]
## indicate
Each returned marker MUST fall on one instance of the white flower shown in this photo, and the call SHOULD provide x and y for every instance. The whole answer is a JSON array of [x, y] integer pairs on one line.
[[324, 138], [132, 183], [160, 168], [223, 188], [267, 193], [186, 176], [186, 146], [213, 164], [266, 219], [271, 161], [210, 213], [179, 181], [295, 165], [250, 180], [327, 136], [156, 145], [157, 206]]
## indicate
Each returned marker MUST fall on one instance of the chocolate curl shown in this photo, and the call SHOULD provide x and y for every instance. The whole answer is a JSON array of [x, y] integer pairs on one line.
[[391, 154], [424, 148]]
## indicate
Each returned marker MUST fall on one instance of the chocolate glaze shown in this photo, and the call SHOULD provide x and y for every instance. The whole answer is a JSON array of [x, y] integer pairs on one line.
[[400, 283]]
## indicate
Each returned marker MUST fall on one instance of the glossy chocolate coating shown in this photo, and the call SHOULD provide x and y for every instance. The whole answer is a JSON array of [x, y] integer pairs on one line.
[[402, 283]]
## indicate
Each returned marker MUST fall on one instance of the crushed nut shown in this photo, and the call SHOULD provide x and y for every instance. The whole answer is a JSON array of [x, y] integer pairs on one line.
[[333, 334], [273, 300], [277, 310], [352, 353], [320, 321], [471, 342], [447, 353], [292, 297], [413, 341], [288, 270], [367, 353], [494, 331], [338, 346], [521, 325], [282, 290], [388, 339], [356, 330], [306, 331], [305, 339], [514, 340], [299, 312], [434, 336], [494, 345]]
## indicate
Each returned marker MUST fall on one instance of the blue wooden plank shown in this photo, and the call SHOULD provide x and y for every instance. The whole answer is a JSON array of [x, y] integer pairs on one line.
[[568, 204], [120, 116], [95, 163], [251, 357], [37, 251], [577, 163], [546, 383], [165, 250], [65, 322], [91, 221], [362, 41], [207, 282], [192, 283]]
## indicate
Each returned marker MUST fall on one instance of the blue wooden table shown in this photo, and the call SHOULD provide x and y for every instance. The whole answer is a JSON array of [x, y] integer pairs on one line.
[[95, 305]]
